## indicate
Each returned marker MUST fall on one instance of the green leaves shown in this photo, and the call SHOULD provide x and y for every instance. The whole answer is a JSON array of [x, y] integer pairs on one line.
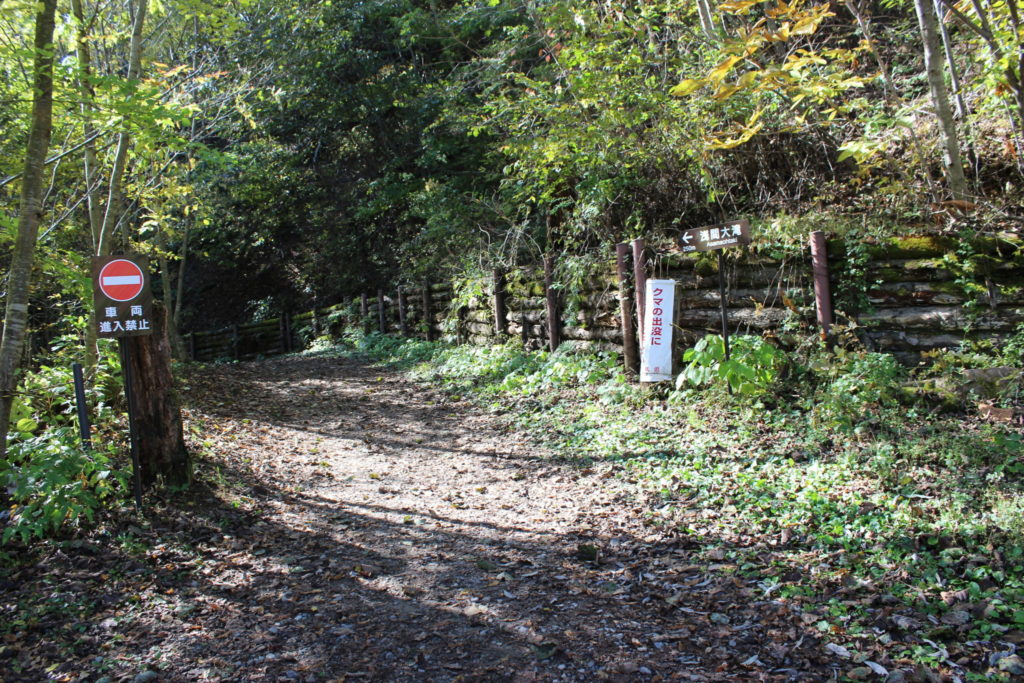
[[753, 366]]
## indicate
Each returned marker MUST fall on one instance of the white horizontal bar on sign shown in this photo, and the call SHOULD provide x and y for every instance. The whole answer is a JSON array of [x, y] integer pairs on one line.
[[111, 280]]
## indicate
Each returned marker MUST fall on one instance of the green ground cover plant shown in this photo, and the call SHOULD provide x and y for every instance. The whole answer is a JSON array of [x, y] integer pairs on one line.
[[836, 488], [50, 483]]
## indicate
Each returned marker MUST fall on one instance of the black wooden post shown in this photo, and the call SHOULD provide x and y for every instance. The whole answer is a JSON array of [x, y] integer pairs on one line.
[[723, 301], [364, 312], [234, 342], [403, 325], [630, 352], [382, 323], [192, 346], [551, 304], [500, 310], [428, 312], [81, 407]]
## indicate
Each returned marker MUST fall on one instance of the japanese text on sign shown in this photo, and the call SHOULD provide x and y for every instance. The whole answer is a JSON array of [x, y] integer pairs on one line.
[[122, 296], [656, 359], [714, 237]]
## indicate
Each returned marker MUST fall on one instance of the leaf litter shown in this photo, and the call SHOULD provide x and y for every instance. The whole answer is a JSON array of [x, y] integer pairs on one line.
[[348, 524]]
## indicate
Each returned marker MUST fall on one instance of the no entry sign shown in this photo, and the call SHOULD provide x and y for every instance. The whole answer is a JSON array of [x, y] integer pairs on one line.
[[122, 296], [121, 280]]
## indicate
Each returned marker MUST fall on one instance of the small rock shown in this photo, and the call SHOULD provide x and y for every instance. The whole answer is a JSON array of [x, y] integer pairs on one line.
[[717, 618], [627, 668], [838, 650], [957, 617], [896, 677], [904, 623], [146, 677], [1012, 664], [716, 554], [645, 671]]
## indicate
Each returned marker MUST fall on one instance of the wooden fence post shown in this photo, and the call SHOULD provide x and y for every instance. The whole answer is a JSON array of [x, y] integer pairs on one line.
[[192, 346], [382, 324], [428, 312], [551, 304], [500, 310], [640, 283], [630, 352], [403, 326], [234, 342], [364, 312], [822, 290]]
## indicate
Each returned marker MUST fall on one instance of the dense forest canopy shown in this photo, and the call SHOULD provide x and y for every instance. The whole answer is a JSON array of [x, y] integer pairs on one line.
[[272, 154]]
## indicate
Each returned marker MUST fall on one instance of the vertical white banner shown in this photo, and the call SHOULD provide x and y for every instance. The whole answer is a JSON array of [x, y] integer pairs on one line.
[[656, 355]]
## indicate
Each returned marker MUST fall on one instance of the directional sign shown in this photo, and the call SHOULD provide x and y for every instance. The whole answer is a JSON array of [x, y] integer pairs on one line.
[[721, 236], [121, 295]]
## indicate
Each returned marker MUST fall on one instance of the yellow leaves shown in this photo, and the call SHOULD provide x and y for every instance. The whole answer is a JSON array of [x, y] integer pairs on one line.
[[686, 87], [742, 133], [801, 59], [806, 26], [726, 91], [739, 6], [722, 70]]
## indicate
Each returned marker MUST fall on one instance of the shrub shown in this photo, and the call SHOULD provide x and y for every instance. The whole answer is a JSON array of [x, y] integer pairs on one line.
[[51, 482], [752, 368]]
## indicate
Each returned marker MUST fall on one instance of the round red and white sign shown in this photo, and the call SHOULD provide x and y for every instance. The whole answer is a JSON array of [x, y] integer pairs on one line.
[[121, 280]]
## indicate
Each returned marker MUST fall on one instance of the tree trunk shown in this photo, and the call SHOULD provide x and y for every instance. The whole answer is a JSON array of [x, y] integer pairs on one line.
[[115, 199], [940, 98], [180, 282], [162, 453], [177, 344], [707, 21], [29, 216], [403, 326]]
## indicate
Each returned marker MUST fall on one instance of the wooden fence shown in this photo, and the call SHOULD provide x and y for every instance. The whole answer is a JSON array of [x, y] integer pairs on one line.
[[902, 296]]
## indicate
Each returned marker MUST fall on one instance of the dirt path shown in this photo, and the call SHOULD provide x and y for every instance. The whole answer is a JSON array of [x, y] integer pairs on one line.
[[365, 528]]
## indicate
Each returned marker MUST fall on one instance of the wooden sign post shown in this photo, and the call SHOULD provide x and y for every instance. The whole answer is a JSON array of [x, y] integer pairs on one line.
[[716, 238], [124, 308]]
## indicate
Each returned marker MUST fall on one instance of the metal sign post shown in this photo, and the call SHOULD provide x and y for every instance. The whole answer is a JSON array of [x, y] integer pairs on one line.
[[80, 406], [124, 308], [722, 302], [716, 238]]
